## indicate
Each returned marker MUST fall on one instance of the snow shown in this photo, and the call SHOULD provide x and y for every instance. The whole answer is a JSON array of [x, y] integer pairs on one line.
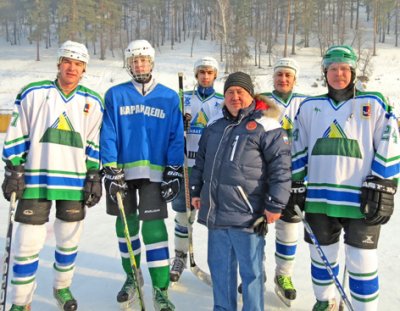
[[99, 275]]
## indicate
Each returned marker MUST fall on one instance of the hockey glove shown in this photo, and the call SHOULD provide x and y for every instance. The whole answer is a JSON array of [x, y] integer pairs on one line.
[[114, 182], [14, 181], [93, 188], [260, 226], [377, 200], [297, 196], [171, 184]]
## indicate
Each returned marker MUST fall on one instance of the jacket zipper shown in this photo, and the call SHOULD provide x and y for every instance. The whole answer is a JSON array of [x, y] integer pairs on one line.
[[244, 197], [234, 144]]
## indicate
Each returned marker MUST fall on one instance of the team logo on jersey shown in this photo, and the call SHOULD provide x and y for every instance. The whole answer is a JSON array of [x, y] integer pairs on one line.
[[334, 141], [366, 110], [86, 108], [62, 132], [251, 125], [286, 123], [201, 120]]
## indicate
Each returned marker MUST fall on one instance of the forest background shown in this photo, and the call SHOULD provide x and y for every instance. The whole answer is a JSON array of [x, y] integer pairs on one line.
[[244, 30]]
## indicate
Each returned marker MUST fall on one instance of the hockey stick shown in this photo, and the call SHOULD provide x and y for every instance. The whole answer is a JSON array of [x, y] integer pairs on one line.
[[200, 274], [324, 259], [344, 281], [130, 251], [6, 258]]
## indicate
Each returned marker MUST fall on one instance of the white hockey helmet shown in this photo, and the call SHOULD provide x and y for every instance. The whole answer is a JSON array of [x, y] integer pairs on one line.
[[289, 63], [139, 48], [73, 50], [206, 61]]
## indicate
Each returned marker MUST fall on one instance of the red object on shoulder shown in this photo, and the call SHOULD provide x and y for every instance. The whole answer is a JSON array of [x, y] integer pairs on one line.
[[261, 105]]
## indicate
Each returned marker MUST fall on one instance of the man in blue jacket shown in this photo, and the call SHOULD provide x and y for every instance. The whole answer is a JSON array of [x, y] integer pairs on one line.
[[241, 174]]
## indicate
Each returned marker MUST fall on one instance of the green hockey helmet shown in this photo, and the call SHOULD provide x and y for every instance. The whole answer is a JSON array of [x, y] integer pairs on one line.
[[339, 54]]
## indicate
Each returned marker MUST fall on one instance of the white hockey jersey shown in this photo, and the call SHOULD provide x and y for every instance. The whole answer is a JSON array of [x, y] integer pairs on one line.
[[336, 145], [56, 137], [202, 111]]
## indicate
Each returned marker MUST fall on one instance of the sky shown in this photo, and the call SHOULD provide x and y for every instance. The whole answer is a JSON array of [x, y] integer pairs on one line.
[[99, 275]]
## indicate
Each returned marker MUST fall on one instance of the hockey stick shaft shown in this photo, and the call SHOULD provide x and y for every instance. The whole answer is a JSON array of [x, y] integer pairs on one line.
[[200, 274], [344, 281], [130, 251], [324, 258], [7, 255]]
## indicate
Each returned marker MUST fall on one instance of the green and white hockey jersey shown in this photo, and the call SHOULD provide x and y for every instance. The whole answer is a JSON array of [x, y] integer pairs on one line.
[[336, 145], [288, 108], [56, 138], [202, 111]]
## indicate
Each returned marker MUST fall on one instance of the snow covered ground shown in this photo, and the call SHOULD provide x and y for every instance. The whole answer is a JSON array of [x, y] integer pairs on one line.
[[99, 274]]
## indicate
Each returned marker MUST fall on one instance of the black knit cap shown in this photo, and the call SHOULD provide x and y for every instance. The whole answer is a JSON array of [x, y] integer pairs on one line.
[[240, 79]]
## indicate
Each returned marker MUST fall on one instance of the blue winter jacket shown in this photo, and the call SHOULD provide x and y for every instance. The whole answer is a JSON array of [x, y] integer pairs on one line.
[[242, 167]]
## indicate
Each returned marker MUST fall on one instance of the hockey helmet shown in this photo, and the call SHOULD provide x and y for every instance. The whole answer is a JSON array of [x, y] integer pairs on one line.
[[339, 54], [139, 48], [288, 63], [73, 50], [206, 61]]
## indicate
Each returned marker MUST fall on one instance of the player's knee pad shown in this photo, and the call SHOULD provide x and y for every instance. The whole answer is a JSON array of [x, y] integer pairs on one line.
[[286, 232], [67, 233], [70, 211], [33, 211], [133, 225], [360, 260], [29, 239]]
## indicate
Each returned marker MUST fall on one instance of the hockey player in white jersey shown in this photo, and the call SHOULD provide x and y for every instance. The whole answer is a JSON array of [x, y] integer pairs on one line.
[[346, 143], [286, 73], [202, 104], [51, 152]]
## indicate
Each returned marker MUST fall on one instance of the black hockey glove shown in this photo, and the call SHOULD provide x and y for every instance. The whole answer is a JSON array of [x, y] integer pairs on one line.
[[14, 181], [93, 188], [377, 200], [260, 226], [114, 182], [297, 196], [171, 184]]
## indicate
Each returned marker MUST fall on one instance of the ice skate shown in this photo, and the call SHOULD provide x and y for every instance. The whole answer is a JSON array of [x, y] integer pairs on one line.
[[161, 301], [284, 289], [128, 297], [178, 265], [325, 305], [20, 308], [65, 300]]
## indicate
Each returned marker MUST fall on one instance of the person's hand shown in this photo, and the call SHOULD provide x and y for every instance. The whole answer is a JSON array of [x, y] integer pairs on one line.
[[377, 200], [14, 181], [171, 184], [93, 188], [272, 217], [114, 182], [196, 202], [186, 121]]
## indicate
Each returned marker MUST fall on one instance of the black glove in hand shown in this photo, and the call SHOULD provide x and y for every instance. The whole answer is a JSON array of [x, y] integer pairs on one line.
[[14, 181], [377, 200], [93, 188], [297, 196], [114, 182], [171, 184], [260, 226]]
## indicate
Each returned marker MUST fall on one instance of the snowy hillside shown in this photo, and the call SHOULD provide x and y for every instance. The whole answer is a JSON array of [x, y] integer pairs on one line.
[[99, 274]]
